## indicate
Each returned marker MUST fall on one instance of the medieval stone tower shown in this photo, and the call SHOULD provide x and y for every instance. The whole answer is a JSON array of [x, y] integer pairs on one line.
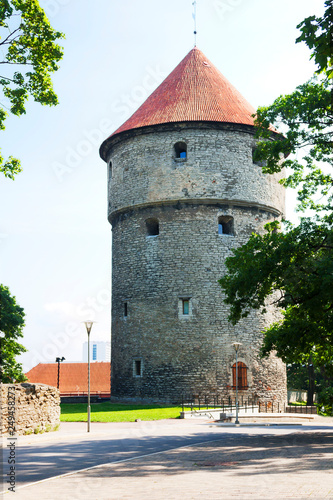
[[183, 191]]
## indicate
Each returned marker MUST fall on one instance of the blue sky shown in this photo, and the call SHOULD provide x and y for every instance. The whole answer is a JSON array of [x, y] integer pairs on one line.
[[55, 240]]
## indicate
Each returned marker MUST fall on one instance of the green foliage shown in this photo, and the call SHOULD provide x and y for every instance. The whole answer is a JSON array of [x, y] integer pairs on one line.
[[297, 265], [10, 167], [50, 428], [307, 114], [297, 377], [294, 268], [317, 33], [325, 401], [306, 117], [110, 412], [11, 325], [29, 55]]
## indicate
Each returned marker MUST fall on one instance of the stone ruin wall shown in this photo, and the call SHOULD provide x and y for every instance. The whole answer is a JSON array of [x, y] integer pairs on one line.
[[28, 408]]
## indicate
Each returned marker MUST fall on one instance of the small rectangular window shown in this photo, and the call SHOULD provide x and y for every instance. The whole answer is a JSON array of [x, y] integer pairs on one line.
[[137, 368], [152, 226], [94, 353], [125, 310], [226, 225], [180, 150], [255, 161], [186, 306]]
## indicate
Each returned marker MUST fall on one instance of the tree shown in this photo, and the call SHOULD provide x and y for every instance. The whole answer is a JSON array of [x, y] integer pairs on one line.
[[304, 378], [11, 326], [294, 268], [27, 40], [308, 117], [301, 376], [297, 377], [299, 264]]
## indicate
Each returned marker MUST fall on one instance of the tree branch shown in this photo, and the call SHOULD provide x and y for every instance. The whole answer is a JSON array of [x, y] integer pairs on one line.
[[6, 78], [10, 34], [19, 63]]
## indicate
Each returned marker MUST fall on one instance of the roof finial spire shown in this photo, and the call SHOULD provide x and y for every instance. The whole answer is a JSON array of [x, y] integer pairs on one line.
[[194, 15]]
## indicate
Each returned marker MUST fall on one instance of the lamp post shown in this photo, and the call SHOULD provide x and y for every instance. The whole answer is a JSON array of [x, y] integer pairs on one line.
[[236, 346], [89, 325], [59, 360]]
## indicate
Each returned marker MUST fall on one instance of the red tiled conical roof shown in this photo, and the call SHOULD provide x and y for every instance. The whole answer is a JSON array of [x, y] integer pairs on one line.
[[194, 91]]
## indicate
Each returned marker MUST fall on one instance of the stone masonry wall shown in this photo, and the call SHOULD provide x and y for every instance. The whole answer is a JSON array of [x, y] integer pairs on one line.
[[218, 167], [152, 274], [192, 353], [27, 408]]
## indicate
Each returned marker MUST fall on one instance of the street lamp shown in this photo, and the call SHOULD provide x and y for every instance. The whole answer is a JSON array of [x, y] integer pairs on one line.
[[236, 346], [59, 360], [89, 325]]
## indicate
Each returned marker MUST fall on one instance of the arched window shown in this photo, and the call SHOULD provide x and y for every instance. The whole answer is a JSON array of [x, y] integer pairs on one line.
[[180, 150], [242, 376], [110, 171], [226, 225], [152, 226]]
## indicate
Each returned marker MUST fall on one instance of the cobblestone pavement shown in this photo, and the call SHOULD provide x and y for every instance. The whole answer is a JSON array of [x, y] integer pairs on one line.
[[262, 466]]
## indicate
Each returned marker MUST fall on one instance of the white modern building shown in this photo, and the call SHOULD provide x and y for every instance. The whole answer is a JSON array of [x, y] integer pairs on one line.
[[99, 351]]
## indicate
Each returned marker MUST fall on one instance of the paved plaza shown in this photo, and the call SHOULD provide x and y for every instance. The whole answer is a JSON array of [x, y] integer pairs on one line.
[[246, 463]]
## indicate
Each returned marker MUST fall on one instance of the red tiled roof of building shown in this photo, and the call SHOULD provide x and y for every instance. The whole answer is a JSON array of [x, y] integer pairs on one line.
[[194, 91], [73, 376]]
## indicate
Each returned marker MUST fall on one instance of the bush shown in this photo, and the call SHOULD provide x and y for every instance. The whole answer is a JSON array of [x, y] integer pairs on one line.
[[325, 401]]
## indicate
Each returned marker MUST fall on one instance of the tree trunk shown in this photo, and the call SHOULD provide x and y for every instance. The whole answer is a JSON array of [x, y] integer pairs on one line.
[[311, 388]]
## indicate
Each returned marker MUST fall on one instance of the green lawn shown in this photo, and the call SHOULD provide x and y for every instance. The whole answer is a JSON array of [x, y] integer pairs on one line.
[[112, 412]]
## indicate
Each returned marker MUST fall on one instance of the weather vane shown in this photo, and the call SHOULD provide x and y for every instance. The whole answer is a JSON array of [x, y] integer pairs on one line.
[[194, 15]]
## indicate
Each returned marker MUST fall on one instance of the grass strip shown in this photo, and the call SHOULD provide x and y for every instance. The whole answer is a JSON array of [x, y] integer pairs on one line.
[[114, 412]]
